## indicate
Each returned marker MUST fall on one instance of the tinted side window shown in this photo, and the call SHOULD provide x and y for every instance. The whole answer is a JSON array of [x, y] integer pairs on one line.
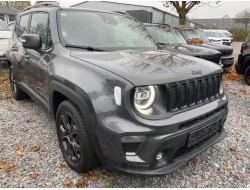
[[39, 25], [23, 26]]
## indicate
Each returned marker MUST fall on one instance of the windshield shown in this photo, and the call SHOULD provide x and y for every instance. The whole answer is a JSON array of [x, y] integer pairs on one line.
[[165, 35], [211, 34], [192, 33], [105, 31], [3, 26], [223, 35]]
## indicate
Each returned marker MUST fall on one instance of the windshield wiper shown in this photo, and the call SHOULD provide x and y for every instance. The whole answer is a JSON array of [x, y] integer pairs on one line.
[[162, 44], [89, 48]]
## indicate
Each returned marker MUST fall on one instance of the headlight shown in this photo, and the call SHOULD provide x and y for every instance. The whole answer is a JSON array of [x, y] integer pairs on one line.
[[144, 97]]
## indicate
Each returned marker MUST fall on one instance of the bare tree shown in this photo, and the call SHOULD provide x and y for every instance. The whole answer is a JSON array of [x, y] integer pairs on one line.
[[19, 5], [243, 17], [184, 7]]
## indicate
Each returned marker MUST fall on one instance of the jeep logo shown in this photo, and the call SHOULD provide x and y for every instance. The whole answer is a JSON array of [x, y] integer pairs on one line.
[[196, 72]]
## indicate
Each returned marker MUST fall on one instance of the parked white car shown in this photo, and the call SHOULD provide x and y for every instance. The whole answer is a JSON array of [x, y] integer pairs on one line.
[[5, 35], [213, 36], [227, 33], [225, 38]]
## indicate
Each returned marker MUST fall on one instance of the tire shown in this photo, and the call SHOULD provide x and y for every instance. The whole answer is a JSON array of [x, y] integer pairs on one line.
[[71, 132], [17, 93], [247, 75]]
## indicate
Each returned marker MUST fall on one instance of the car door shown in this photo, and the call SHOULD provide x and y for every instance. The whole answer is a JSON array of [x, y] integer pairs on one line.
[[39, 60], [17, 52]]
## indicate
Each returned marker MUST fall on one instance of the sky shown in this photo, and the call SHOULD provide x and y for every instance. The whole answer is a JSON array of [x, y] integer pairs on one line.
[[230, 8]]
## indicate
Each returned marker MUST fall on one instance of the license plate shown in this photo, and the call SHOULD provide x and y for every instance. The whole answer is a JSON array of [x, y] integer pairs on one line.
[[227, 62], [203, 133]]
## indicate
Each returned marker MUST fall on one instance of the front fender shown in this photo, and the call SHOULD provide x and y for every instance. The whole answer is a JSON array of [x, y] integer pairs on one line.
[[70, 91], [83, 103]]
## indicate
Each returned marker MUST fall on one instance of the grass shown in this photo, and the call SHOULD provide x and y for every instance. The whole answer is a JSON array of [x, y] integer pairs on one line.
[[3, 72], [113, 184]]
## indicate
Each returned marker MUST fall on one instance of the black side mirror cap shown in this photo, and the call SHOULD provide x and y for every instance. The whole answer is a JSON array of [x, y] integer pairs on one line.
[[31, 41]]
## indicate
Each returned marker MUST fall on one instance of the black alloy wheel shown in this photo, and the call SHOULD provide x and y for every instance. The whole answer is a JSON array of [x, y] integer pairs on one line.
[[73, 138], [247, 75]]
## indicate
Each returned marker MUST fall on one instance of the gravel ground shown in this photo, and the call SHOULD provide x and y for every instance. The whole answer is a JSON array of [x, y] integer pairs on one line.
[[30, 155], [236, 46], [26, 129]]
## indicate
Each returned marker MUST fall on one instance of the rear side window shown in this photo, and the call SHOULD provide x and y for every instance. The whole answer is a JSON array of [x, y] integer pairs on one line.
[[40, 25], [23, 26]]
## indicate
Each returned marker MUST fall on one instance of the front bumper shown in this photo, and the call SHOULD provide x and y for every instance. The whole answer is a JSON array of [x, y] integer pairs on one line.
[[226, 43], [169, 136], [227, 61]]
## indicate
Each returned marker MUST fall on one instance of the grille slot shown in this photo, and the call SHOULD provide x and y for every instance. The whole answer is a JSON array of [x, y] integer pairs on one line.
[[173, 97], [225, 52], [193, 92], [213, 58], [130, 147], [183, 95]]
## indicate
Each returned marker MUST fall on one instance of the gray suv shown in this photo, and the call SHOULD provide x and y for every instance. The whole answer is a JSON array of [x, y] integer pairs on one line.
[[243, 64], [116, 98]]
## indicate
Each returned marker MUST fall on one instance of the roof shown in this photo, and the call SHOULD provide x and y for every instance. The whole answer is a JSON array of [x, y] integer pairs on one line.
[[125, 3], [8, 11]]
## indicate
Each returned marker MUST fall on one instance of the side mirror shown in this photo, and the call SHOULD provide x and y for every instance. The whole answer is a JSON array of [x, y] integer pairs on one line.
[[31, 41]]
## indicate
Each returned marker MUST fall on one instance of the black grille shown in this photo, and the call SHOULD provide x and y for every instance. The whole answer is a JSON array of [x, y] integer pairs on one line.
[[130, 147], [225, 52], [193, 92], [213, 58]]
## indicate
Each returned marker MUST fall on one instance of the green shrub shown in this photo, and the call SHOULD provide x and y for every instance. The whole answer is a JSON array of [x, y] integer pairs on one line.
[[239, 34]]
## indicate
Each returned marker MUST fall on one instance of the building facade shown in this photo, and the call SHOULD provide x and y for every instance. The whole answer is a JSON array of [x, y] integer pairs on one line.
[[8, 14], [145, 14], [224, 23]]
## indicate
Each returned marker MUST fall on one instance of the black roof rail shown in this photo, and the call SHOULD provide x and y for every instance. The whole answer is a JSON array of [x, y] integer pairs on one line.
[[45, 4]]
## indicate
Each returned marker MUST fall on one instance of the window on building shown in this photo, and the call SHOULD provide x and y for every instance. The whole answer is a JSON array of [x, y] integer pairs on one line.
[[214, 24], [2, 17], [12, 18], [204, 24]]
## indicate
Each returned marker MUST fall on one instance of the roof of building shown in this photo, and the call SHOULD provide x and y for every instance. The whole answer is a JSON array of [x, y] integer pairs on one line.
[[125, 3], [8, 11]]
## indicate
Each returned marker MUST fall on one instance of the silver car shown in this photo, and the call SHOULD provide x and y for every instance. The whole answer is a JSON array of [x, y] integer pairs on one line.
[[5, 35]]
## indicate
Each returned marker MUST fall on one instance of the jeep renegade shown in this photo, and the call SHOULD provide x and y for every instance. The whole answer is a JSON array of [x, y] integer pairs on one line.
[[115, 97]]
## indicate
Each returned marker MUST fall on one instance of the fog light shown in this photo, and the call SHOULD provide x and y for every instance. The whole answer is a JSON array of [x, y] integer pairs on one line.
[[159, 157]]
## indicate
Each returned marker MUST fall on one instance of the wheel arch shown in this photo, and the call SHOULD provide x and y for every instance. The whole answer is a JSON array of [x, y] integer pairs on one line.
[[59, 92], [246, 62]]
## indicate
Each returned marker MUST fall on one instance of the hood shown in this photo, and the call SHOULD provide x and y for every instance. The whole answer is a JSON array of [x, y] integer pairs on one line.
[[214, 38], [189, 49], [148, 68], [5, 34], [215, 46]]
